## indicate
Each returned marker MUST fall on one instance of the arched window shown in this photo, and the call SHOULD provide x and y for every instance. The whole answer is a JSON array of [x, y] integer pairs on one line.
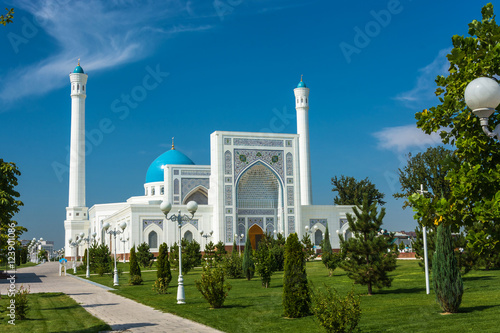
[[301, 100], [188, 235], [162, 190], [78, 86], [152, 191], [153, 240], [83, 87], [318, 237]]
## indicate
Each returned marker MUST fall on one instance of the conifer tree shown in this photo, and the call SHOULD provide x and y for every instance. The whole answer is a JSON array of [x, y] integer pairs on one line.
[[296, 293], [368, 259], [248, 265], [446, 277], [135, 270], [163, 264]]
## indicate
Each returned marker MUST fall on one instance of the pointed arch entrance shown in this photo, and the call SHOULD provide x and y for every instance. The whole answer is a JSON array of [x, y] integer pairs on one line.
[[255, 233], [259, 200]]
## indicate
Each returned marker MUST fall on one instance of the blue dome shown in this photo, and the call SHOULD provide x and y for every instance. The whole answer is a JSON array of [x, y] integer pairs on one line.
[[78, 69], [155, 170], [301, 84]]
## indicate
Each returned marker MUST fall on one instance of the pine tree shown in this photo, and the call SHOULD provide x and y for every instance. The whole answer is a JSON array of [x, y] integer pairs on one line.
[[144, 255], [367, 252], [296, 293], [248, 265], [446, 277], [330, 260], [135, 270], [265, 262]]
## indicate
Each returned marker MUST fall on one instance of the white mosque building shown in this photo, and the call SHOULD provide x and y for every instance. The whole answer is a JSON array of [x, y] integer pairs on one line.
[[256, 182]]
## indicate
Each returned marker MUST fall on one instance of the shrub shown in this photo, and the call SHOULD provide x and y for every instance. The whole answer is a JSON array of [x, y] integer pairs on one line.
[[265, 263], [192, 252], [144, 256], [220, 252], [209, 256], [21, 299], [233, 266], [135, 270], [212, 286], [334, 313], [308, 246], [100, 259], [296, 293], [161, 285]]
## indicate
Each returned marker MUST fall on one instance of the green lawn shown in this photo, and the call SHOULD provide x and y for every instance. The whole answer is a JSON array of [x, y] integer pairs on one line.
[[51, 312], [402, 308]]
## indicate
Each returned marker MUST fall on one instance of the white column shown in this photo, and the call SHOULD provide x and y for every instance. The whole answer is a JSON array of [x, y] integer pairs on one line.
[[302, 107]]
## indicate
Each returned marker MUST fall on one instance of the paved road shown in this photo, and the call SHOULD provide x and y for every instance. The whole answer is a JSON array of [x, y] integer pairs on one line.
[[122, 314]]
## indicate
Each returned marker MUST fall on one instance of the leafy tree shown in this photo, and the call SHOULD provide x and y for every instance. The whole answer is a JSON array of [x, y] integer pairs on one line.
[[277, 252], [43, 254], [248, 265], [369, 255], [265, 264], [135, 270], [232, 265], [308, 246], [100, 259], [296, 292], [351, 191], [446, 277], [7, 18], [144, 256], [9, 206], [475, 176]]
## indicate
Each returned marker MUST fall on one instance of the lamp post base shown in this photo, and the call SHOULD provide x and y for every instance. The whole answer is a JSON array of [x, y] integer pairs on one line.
[[115, 278], [180, 291]]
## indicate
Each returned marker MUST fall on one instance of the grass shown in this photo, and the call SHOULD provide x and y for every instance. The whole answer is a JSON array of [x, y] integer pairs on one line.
[[402, 308], [51, 312]]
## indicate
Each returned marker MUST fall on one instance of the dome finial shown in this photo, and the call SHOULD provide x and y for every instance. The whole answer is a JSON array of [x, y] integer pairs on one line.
[[173, 143], [301, 75], [79, 63]]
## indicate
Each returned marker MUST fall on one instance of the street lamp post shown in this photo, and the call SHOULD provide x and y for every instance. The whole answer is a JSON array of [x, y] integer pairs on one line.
[[115, 232], [73, 245], [124, 240], [87, 240], [239, 238], [192, 207], [482, 95], [206, 236], [426, 260]]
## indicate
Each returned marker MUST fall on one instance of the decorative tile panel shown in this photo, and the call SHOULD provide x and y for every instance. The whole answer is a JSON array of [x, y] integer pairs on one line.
[[289, 196], [190, 183], [288, 143], [270, 225], [195, 172], [229, 229], [312, 222], [289, 164], [176, 172], [289, 180], [256, 211], [342, 222], [228, 180], [194, 222], [291, 224], [228, 163], [229, 195], [176, 186], [290, 211], [145, 223], [176, 199], [241, 220], [227, 141], [256, 220], [229, 210], [241, 231], [245, 157], [258, 142]]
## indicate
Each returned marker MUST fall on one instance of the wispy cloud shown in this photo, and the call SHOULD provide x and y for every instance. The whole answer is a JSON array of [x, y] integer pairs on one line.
[[403, 138], [104, 34], [425, 86]]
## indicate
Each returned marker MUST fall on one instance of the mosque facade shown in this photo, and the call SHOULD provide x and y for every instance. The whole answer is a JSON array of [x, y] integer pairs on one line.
[[256, 183]]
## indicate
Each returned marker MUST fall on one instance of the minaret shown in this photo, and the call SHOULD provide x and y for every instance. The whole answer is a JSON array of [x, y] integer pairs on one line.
[[302, 107], [76, 212]]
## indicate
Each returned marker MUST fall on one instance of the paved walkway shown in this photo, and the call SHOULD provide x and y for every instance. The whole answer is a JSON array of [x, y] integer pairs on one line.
[[122, 314]]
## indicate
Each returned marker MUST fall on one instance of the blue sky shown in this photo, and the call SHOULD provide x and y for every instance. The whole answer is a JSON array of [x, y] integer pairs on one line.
[[222, 65]]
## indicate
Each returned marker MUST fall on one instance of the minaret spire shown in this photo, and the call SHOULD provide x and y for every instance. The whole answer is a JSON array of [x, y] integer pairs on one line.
[[302, 107], [77, 212]]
